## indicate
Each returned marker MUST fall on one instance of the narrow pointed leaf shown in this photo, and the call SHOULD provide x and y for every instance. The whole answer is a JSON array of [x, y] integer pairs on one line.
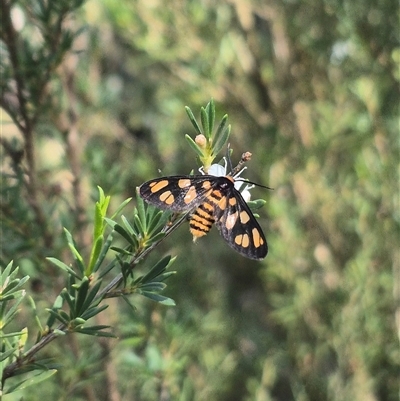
[[211, 115], [256, 204], [121, 231], [103, 252], [91, 295], [154, 286], [75, 253], [94, 332], [80, 299], [63, 266], [193, 120], [98, 221], [6, 274], [154, 238], [6, 354], [221, 137], [164, 276], [140, 207], [194, 146], [69, 301], [94, 254], [93, 312], [58, 316], [205, 122], [159, 298], [32, 381], [121, 207], [157, 269]]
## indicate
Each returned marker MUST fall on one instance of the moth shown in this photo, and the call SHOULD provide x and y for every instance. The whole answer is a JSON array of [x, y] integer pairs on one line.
[[210, 200]]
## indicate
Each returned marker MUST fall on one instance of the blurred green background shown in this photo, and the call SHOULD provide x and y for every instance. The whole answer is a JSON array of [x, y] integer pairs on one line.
[[312, 90]]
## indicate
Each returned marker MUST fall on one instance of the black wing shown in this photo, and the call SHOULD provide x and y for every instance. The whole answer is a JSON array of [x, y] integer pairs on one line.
[[180, 193], [239, 227]]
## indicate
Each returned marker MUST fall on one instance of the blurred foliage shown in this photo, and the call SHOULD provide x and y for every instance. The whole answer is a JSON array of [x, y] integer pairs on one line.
[[312, 90]]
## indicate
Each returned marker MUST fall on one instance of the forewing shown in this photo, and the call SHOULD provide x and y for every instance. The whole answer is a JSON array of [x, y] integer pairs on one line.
[[177, 193], [239, 227]]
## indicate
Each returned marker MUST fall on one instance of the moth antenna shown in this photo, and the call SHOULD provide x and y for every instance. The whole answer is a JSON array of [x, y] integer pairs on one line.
[[228, 158], [253, 183]]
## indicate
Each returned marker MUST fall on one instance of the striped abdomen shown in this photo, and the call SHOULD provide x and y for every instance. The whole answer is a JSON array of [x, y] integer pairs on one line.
[[203, 218]]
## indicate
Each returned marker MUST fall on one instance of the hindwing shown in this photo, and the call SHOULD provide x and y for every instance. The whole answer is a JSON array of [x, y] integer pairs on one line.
[[239, 227]]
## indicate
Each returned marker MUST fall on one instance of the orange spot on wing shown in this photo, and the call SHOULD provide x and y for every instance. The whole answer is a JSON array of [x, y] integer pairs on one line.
[[190, 195], [156, 186], [183, 183], [232, 201], [238, 239], [206, 184], [245, 241], [231, 220], [167, 197], [244, 217], [257, 239]]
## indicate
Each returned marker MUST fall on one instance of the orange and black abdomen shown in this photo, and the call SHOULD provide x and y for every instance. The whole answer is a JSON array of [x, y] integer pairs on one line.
[[202, 218]]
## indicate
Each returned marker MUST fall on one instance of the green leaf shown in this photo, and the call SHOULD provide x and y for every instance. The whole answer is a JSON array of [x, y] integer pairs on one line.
[[157, 269], [10, 314], [32, 381], [57, 305], [121, 231], [104, 203], [93, 311], [67, 297], [98, 221], [140, 207], [13, 334], [7, 275], [6, 354], [159, 298], [8, 297], [164, 276], [210, 108], [159, 219], [13, 285], [96, 249], [77, 256], [103, 253], [221, 136], [131, 230], [193, 120], [91, 295], [154, 286], [256, 204], [154, 238], [76, 323], [139, 224], [110, 222], [63, 266], [121, 207], [80, 299], [59, 315], [194, 146], [59, 333], [120, 251], [95, 332], [205, 122]]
